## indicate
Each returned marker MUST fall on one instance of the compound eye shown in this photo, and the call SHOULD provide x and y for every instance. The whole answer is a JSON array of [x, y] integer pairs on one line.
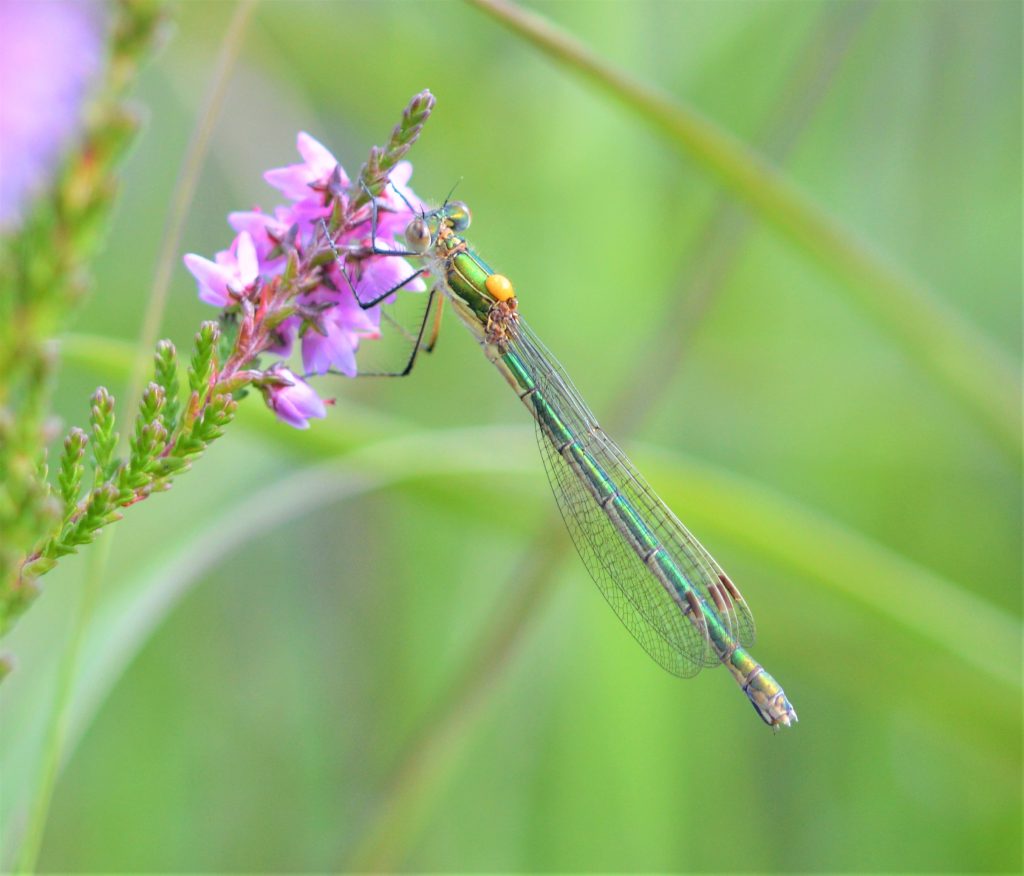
[[417, 235], [458, 216]]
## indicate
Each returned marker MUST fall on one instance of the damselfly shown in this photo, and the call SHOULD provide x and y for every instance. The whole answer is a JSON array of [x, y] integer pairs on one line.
[[665, 587]]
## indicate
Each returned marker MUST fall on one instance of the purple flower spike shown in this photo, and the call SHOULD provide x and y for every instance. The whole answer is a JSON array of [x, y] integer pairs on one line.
[[293, 400], [221, 281], [285, 283]]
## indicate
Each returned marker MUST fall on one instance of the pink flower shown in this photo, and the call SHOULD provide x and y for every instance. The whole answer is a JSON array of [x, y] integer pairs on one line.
[[334, 345], [292, 399], [283, 337], [265, 231], [318, 164], [393, 209], [316, 305], [381, 273], [234, 270]]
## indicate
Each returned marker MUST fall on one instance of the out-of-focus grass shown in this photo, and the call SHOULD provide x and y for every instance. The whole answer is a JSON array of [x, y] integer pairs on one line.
[[871, 521]]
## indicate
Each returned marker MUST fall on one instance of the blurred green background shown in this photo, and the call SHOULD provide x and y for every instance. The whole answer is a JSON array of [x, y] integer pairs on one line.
[[370, 645]]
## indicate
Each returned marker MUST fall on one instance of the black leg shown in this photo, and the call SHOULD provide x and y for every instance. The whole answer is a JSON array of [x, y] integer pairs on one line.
[[373, 231], [415, 347], [434, 296], [365, 305]]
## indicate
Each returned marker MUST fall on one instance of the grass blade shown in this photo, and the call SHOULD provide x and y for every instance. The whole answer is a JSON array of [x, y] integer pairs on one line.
[[961, 358]]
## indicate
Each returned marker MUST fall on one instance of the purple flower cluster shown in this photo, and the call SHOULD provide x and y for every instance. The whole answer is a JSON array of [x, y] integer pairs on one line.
[[314, 303]]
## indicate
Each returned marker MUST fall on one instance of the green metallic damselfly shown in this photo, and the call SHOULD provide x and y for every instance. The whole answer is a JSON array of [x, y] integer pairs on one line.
[[665, 587]]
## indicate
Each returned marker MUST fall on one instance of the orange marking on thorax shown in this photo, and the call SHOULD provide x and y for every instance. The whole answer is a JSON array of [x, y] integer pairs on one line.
[[500, 287]]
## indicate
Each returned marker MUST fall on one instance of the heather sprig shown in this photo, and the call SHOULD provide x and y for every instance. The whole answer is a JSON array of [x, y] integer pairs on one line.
[[279, 285], [155, 453]]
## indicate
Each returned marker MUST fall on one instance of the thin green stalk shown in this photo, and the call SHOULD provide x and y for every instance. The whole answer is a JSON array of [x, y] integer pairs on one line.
[[43, 280], [184, 193], [960, 357], [406, 796], [705, 269], [57, 730]]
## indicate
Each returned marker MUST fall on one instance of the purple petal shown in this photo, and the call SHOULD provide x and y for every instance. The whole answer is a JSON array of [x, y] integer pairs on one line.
[[391, 226], [335, 348], [295, 402], [306, 213], [316, 356], [399, 179], [212, 280], [292, 181], [265, 231], [284, 337], [287, 413], [345, 361], [360, 321], [383, 273], [258, 225], [318, 158], [248, 265]]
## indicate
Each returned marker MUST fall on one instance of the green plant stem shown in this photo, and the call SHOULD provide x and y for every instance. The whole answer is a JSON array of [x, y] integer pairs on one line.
[[184, 193], [43, 278], [962, 359], [706, 268], [57, 730]]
